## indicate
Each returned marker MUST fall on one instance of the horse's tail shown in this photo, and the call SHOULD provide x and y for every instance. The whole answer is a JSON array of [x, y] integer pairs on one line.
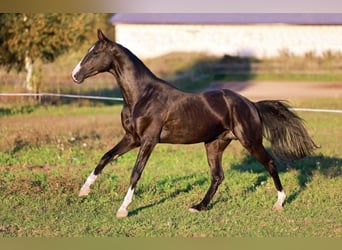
[[285, 130]]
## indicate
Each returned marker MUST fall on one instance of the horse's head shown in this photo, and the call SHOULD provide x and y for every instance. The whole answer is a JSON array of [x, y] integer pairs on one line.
[[98, 59]]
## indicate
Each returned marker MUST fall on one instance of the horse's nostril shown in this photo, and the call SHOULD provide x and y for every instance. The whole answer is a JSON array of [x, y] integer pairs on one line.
[[74, 77]]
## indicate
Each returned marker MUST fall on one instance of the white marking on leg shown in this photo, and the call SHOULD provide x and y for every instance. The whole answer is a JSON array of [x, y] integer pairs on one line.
[[193, 210], [91, 179], [281, 198], [86, 186], [122, 212]]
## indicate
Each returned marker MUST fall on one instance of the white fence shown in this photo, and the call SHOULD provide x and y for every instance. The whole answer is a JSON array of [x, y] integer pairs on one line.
[[62, 95]]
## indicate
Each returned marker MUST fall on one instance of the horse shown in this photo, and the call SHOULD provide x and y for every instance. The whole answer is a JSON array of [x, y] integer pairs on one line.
[[154, 111]]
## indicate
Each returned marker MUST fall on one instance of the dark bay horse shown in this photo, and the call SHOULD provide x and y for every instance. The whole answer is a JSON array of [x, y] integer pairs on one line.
[[156, 112]]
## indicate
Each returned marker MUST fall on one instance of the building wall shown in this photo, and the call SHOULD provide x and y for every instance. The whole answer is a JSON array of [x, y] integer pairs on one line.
[[148, 41]]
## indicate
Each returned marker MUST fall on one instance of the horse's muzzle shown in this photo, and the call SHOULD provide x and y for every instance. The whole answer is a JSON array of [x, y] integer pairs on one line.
[[76, 78]]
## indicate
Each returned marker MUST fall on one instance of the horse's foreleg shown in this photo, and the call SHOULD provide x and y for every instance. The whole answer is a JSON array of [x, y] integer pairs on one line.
[[126, 144], [214, 153], [85, 189], [144, 153]]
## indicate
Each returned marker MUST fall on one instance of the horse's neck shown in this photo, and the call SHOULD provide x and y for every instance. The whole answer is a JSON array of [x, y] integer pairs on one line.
[[133, 77]]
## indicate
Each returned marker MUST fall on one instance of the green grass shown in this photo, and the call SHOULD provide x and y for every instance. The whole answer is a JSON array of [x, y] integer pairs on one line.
[[48, 152]]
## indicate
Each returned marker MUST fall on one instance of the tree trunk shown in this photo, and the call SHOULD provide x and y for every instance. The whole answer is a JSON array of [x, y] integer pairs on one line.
[[29, 69]]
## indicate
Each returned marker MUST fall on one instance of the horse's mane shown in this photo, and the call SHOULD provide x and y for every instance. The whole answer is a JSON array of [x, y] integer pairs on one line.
[[140, 66]]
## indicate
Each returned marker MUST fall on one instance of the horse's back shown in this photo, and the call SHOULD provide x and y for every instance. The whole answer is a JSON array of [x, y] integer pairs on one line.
[[193, 118]]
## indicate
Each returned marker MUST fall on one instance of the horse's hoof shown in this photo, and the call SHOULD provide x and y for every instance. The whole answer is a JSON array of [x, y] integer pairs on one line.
[[193, 210], [84, 192], [278, 207], [121, 214]]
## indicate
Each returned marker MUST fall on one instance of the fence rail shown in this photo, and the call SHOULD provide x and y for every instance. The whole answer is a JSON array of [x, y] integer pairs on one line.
[[62, 95], [121, 99]]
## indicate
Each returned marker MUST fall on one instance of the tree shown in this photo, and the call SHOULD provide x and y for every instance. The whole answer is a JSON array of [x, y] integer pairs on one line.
[[29, 38]]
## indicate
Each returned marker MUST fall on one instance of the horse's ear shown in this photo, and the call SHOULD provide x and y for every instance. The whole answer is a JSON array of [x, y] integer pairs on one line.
[[100, 35]]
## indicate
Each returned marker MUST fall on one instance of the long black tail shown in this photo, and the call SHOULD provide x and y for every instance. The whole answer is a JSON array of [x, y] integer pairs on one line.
[[285, 130]]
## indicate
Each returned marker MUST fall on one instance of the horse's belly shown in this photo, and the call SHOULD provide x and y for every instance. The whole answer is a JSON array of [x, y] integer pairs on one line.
[[189, 134]]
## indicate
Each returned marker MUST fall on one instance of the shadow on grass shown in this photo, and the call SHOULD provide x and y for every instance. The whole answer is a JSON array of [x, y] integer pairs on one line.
[[185, 188], [17, 110], [329, 167]]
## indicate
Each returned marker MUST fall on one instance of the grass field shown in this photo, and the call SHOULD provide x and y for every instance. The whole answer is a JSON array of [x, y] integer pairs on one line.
[[48, 151]]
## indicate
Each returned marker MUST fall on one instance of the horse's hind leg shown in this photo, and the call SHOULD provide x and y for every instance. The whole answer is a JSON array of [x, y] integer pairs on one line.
[[264, 158], [214, 153], [126, 144], [249, 133]]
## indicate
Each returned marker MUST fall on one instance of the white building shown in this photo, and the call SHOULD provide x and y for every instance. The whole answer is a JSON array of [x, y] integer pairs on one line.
[[259, 35]]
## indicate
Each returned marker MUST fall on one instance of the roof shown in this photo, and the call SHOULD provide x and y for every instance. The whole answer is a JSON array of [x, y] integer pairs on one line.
[[228, 18]]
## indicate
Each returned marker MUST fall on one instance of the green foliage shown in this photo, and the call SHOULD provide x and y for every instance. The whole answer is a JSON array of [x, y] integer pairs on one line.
[[41, 36]]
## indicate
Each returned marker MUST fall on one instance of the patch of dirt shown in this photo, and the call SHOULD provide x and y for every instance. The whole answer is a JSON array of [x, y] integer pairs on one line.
[[284, 90]]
